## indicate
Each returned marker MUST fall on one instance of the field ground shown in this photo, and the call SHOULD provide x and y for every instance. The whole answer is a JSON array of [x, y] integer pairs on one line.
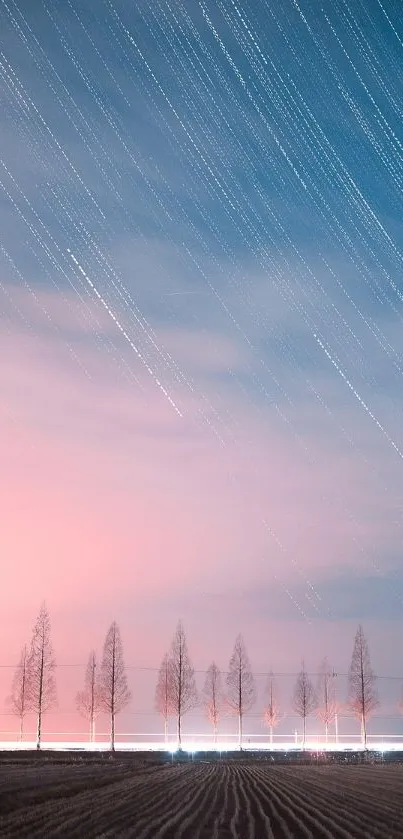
[[144, 798]]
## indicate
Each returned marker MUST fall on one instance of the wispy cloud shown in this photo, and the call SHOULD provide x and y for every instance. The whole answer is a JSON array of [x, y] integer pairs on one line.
[[229, 494]]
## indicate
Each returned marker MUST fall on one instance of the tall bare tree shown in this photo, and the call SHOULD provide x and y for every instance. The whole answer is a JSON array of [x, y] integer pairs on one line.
[[241, 693], [114, 693], [271, 711], [17, 701], [163, 693], [183, 692], [212, 697], [304, 700], [362, 694], [88, 700], [326, 708], [41, 685]]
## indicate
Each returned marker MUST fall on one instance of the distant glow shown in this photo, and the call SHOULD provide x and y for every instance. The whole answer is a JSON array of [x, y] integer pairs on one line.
[[192, 747]]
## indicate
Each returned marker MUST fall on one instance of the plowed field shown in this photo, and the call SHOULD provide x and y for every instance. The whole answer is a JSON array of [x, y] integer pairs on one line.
[[201, 801]]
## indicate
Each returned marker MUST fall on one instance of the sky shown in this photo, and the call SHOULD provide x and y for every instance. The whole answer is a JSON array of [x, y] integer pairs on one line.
[[201, 336]]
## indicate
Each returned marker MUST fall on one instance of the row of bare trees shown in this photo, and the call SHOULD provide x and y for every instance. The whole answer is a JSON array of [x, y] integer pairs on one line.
[[33, 687], [106, 688], [176, 690]]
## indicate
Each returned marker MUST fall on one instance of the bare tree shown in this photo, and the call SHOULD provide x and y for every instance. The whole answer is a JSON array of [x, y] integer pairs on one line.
[[41, 686], [212, 697], [88, 700], [241, 693], [18, 698], [271, 712], [362, 695], [304, 700], [183, 692], [114, 693], [163, 693], [326, 708]]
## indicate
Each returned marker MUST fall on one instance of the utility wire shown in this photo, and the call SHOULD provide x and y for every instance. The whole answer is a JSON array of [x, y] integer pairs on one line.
[[266, 674]]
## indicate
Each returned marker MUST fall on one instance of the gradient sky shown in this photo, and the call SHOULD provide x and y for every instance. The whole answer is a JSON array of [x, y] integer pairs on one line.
[[201, 333]]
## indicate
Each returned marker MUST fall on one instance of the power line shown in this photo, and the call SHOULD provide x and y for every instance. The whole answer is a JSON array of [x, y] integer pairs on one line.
[[266, 674]]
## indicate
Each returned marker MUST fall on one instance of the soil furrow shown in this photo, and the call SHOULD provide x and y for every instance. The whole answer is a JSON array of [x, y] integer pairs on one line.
[[176, 827], [360, 812], [263, 821], [182, 793], [237, 799]]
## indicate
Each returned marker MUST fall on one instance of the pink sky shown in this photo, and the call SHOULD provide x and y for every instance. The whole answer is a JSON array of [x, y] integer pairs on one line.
[[115, 507]]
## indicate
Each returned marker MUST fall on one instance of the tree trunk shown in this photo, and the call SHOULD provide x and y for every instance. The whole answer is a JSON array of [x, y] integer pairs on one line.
[[21, 728], [363, 730], [179, 732], [215, 733], [39, 729], [304, 733], [112, 732], [271, 735], [240, 730], [40, 701], [166, 729], [326, 733], [336, 728]]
